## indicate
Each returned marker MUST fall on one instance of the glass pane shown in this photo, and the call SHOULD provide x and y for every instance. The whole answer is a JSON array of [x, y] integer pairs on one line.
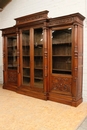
[[38, 58], [12, 52], [61, 51], [26, 56]]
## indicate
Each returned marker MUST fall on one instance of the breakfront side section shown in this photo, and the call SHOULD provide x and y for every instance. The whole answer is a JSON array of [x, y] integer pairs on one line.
[[66, 59], [33, 50], [10, 65]]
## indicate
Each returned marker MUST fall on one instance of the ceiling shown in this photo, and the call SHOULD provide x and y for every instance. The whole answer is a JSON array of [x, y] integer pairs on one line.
[[3, 3]]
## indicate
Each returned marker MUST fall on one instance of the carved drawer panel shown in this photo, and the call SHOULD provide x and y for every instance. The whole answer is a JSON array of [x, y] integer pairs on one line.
[[61, 84], [12, 77]]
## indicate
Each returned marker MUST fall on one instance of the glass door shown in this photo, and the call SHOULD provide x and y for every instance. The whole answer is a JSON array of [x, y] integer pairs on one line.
[[26, 57], [11, 60], [62, 51], [38, 58], [12, 52]]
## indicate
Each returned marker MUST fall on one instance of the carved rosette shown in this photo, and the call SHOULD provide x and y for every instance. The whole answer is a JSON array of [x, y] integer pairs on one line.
[[12, 77], [61, 84]]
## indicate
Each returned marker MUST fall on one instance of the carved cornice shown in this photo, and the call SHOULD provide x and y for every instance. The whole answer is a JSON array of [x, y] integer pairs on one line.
[[9, 30], [42, 18], [68, 19], [31, 18], [57, 21]]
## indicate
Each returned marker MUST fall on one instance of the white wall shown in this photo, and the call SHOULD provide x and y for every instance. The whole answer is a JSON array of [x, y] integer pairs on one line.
[[17, 8], [85, 56]]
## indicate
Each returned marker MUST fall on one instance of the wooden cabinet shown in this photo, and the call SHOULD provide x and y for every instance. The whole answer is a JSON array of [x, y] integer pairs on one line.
[[43, 57]]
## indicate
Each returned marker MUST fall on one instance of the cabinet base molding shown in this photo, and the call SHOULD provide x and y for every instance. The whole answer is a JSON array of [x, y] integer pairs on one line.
[[10, 87], [40, 95], [35, 94], [76, 103], [65, 100]]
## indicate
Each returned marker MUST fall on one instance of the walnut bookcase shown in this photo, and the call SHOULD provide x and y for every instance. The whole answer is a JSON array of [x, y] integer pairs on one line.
[[43, 57]]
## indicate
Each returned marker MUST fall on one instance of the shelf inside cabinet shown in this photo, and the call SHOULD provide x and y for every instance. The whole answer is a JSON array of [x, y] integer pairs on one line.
[[38, 55], [38, 78], [26, 67], [38, 68], [62, 70], [12, 46], [57, 71], [26, 55], [61, 55], [26, 76], [61, 43]]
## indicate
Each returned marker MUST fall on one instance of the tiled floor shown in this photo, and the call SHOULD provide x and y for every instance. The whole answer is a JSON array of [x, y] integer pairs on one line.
[[83, 125]]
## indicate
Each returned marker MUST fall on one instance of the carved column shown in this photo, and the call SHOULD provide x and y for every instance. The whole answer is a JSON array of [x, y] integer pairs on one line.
[[45, 29], [75, 64], [18, 57]]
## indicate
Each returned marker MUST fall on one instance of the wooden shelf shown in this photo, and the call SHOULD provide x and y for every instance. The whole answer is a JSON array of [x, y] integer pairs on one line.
[[26, 55], [25, 45], [12, 46], [62, 70], [12, 55], [61, 55], [26, 67], [26, 76], [38, 78], [38, 68], [38, 55], [61, 43]]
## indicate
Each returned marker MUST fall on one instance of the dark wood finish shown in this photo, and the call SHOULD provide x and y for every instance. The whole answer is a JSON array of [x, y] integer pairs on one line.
[[48, 55]]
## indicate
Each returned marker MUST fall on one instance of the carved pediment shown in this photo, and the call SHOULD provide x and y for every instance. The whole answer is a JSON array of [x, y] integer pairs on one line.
[[31, 18]]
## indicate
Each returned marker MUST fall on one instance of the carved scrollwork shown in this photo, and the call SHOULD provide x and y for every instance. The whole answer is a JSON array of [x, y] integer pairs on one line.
[[61, 84], [12, 77]]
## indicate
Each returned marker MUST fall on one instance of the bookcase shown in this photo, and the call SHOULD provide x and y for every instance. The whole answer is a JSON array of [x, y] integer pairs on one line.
[[43, 57], [61, 51]]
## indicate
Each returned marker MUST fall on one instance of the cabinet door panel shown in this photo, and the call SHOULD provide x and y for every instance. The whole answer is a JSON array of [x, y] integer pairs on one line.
[[38, 58], [12, 52], [26, 57], [62, 51], [10, 60]]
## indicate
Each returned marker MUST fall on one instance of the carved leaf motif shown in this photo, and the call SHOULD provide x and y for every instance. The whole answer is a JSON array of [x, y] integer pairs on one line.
[[61, 84]]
